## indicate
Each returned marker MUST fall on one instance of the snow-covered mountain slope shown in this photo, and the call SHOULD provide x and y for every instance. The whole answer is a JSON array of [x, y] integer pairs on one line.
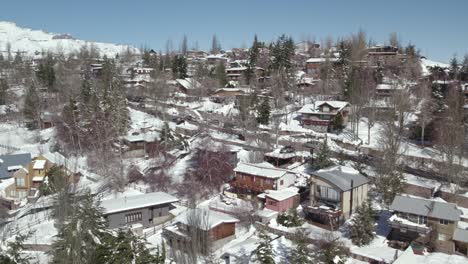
[[33, 42], [426, 64]]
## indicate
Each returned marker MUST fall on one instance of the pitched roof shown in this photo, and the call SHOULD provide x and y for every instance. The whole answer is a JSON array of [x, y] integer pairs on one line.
[[283, 194], [418, 206], [136, 202], [341, 177], [188, 83], [314, 108], [8, 163], [260, 169], [39, 164], [208, 218]]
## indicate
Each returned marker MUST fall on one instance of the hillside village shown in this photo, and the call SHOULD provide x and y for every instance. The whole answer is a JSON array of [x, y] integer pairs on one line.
[[287, 151]]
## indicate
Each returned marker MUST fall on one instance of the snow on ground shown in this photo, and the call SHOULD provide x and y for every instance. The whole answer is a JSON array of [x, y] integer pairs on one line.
[[426, 64], [14, 135], [32, 41]]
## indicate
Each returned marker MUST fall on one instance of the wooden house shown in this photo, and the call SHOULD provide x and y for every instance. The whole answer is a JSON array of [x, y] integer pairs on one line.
[[428, 221], [253, 179], [216, 227], [335, 193], [321, 115]]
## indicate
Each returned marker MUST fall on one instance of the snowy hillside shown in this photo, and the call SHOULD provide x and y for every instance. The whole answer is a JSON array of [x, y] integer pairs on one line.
[[426, 64], [33, 41]]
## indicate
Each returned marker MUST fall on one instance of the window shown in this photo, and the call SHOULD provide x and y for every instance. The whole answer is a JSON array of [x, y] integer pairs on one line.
[[443, 222], [422, 220], [328, 193], [441, 236], [326, 109], [20, 182], [134, 217], [281, 182], [270, 202]]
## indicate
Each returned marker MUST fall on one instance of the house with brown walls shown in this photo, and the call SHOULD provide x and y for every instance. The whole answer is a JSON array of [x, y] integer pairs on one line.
[[252, 179], [215, 227], [320, 115], [433, 222]]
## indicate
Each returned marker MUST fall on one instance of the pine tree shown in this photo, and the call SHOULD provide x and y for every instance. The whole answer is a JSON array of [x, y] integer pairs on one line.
[[79, 236], [184, 46], [3, 91], [215, 45], [85, 91], [46, 73], [362, 228], [263, 112], [338, 122], [464, 69], [264, 254], [300, 253], [221, 74], [323, 157], [31, 104], [14, 253], [453, 70]]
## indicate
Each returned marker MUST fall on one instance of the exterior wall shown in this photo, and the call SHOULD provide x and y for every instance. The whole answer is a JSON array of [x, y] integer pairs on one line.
[[149, 216], [443, 244], [281, 206], [223, 230], [359, 196], [253, 183], [286, 181]]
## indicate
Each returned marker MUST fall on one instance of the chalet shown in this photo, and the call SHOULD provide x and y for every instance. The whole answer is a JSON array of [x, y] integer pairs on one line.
[[321, 115], [196, 54], [335, 193], [305, 83], [382, 51], [9, 164], [141, 70], [257, 178], [146, 209], [29, 178], [187, 85], [237, 73], [281, 200], [313, 65], [215, 59], [216, 227], [422, 220]]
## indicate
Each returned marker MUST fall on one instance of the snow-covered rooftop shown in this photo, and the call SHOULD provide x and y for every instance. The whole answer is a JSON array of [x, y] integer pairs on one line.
[[283, 194], [314, 108], [209, 218], [39, 164], [137, 201], [260, 169]]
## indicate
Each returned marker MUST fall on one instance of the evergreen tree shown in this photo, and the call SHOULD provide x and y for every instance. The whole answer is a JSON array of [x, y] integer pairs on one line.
[[221, 74], [254, 53], [79, 236], [264, 254], [215, 45], [46, 73], [300, 253], [390, 185], [3, 91], [323, 157], [31, 109], [282, 52], [184, 46], [263, 112], [454, 70], [85, 91], [464, 69], [18, 59], [362, 228], [14, 251], [338, 122], [179, 67]]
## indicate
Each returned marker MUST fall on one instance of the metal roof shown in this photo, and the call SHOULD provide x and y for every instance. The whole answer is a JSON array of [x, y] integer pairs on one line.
[[417, 206], [12, 161], [341, 177]]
